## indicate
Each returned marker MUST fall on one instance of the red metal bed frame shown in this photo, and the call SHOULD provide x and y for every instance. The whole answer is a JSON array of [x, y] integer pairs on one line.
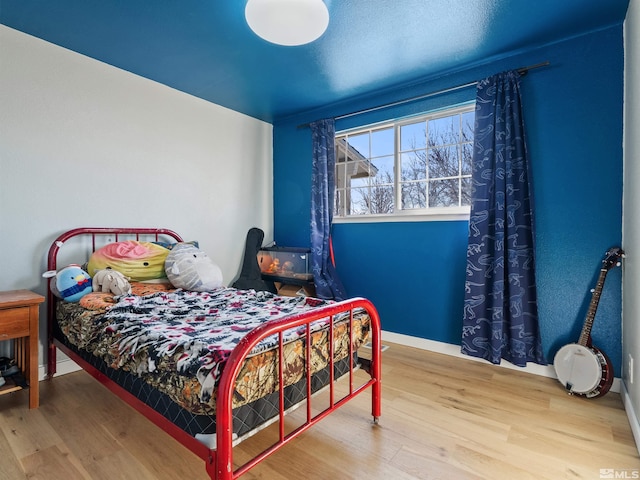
[[219, 461]]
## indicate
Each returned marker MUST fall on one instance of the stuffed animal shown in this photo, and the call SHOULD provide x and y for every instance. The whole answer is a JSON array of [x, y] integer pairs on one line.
[[189, 268], [111, 281], [139, 261], [71, 283]]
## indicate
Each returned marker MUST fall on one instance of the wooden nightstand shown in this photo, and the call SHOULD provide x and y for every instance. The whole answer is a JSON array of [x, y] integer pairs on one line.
[[19, 321]]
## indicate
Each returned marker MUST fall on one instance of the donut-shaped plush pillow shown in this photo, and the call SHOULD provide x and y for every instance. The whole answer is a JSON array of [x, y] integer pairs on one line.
[[140, 261]]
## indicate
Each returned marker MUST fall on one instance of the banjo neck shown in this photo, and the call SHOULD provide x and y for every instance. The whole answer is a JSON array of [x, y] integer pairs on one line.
[[585, 335], [612, 257]]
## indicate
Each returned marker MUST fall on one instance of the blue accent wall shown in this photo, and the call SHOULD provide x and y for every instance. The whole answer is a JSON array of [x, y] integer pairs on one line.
[[414, 272]]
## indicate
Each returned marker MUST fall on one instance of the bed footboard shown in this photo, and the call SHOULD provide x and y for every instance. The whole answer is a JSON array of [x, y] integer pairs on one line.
[[220, 465]]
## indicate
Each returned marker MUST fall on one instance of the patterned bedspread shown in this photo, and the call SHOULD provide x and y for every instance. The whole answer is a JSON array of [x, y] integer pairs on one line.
[[179, 341]]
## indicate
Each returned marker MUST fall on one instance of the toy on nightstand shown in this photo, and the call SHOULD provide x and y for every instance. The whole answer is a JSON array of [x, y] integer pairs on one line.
[[70, 284]]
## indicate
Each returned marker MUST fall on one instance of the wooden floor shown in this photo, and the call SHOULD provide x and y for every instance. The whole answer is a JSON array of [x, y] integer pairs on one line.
[[442, 418]]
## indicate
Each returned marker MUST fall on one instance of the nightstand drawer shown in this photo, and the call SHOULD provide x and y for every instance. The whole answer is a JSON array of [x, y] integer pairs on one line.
[[14, 323]]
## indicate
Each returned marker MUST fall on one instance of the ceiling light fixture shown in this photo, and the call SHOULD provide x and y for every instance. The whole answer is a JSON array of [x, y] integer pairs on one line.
[[287, 22]]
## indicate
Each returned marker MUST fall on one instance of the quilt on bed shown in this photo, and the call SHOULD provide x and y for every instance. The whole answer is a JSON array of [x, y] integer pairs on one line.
[[178, 341]]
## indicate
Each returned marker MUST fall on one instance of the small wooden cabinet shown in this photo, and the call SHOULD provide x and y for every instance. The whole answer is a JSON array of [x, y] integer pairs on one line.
[[19, 313]]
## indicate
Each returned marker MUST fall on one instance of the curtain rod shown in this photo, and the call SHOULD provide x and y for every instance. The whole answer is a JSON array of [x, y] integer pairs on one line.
[[521, 71]]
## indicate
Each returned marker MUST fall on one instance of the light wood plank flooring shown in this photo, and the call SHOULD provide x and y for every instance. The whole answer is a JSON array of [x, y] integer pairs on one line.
[[442, 418]]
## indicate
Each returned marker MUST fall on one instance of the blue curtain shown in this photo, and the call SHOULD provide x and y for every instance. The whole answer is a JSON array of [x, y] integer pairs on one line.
[[325, 277], [500, 308]]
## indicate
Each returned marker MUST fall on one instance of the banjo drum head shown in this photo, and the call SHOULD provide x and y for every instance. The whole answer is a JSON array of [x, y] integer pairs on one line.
[[579, 367]]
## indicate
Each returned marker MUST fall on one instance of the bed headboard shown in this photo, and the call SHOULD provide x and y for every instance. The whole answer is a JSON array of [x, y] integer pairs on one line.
[[149, 234], [93, 234]]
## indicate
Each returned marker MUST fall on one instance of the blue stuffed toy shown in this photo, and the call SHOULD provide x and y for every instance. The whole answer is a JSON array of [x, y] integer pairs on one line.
[[71, 283]]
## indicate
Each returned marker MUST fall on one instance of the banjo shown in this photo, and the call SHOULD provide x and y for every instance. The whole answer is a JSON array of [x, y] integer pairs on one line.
[[581, 367]]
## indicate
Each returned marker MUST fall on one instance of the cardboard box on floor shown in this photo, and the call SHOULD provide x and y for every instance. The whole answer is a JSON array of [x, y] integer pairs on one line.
[[287, 290]]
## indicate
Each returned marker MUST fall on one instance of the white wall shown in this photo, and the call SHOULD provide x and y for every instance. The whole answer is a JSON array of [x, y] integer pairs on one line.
[[86, 144], [631, 214]]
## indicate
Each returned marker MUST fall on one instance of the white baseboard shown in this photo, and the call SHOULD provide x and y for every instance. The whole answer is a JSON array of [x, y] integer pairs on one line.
[[62, 367], [631, 415], [454, 350]]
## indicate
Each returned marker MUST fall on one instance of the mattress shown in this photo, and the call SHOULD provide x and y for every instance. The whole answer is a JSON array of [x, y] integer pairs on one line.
[[168, 347]]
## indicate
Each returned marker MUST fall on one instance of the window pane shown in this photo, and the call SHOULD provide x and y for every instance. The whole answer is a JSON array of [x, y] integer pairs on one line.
[[382, 142], [341, 175], [358, 182], [443, 193], [380, 199], [443, 162], [443, 131], [413, 136], [339, 202], [382, 169], [414, 166], [467, 150], [341, 151], [468, 120], [360, 143], [465, 198], [358, 202], [414, 195], [355, 169]]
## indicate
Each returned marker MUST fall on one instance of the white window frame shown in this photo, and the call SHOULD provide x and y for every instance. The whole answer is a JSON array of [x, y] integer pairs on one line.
[[408, 215]]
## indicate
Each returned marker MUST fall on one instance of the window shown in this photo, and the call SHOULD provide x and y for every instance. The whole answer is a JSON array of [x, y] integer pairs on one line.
[[420, 165]]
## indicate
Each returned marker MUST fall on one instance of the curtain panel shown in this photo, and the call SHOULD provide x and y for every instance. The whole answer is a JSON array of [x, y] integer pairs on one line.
[[500, 318], [325, 276]]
